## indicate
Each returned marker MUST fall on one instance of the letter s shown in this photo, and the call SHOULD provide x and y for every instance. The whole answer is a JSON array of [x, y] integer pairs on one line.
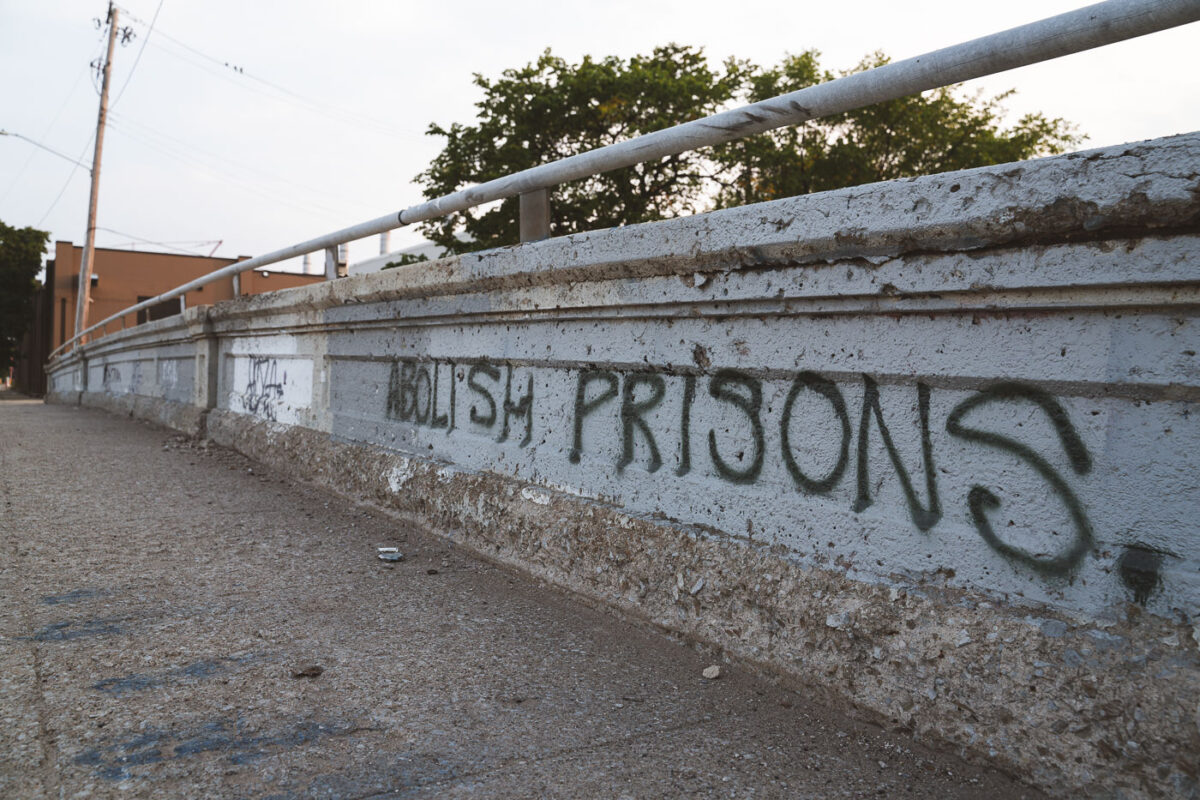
[[980, 500]]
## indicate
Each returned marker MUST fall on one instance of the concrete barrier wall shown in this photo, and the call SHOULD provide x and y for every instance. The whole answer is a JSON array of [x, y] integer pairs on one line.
[[928, 445]]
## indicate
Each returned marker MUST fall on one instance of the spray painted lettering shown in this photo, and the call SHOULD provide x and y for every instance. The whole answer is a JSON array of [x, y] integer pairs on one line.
[[425, 393], [264, 390], [413, 389], [741, 395], [630, 408], [111, 378]]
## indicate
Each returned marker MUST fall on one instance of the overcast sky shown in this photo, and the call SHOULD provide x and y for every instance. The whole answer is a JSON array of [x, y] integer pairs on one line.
[[324, 125]]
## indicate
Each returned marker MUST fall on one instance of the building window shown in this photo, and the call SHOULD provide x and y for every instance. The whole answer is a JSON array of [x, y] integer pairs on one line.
[[167, 308]]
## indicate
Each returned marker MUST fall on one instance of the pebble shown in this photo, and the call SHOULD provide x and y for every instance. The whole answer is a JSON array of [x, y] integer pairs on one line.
[[712, 673], [1053, 628], [308, 671]]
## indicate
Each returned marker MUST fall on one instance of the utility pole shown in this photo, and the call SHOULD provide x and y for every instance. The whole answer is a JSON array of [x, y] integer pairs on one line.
[[85, 266]]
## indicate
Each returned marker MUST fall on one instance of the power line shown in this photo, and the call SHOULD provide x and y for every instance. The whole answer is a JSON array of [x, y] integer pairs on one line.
[[67, 182], [172, 151], [96, 65], [103, 28], [17, 177], [167, 245], [326, 110], [240, 165], [142, 49], [36, 143], [235, 181]]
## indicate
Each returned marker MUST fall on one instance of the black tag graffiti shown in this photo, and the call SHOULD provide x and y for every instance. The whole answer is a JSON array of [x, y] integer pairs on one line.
[[264, 390], [980, 500]]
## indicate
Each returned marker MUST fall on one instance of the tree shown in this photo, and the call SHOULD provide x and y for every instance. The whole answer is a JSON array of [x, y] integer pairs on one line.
[[551, 109], [404, 260], [922, 134], [20, 261]]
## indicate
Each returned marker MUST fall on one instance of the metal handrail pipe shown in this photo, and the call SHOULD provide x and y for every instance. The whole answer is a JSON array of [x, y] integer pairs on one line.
[[359, 231], [1071, 32]]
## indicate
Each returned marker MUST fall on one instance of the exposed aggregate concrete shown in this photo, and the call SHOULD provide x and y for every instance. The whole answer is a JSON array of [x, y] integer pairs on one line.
[[1107, 707]]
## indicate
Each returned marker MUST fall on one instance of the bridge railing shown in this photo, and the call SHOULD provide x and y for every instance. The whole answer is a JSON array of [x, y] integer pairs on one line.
[[1072, 32]]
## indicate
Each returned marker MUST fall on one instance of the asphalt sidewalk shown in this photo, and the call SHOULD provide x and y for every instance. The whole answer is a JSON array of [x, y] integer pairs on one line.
[[177, 621]]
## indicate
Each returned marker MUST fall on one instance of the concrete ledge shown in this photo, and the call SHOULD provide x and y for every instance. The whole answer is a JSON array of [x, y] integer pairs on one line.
[[1142, 189], [947, 663]]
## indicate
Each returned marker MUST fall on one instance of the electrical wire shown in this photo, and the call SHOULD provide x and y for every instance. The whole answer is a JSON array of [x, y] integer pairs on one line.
[[239, 165], [41, 146], [327, 111], [193, 244], [16, 178], [233, 180], [142, 49], [326, 114], [100, 49], [167, 245], [67, 182], [96, 64]]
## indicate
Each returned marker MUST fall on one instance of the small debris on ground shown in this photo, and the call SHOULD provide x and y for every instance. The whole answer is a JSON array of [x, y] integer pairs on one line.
[[308, 671], [390, 554], [712, 673], [431, 571]]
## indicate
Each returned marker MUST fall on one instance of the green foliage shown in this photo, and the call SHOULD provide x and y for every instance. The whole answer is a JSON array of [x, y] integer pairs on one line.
[[551, 109], [405, 259], [937, 131], [20, 261]]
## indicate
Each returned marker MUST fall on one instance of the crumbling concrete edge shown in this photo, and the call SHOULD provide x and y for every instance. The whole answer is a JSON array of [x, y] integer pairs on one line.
[[951, 665], [1131, 190]]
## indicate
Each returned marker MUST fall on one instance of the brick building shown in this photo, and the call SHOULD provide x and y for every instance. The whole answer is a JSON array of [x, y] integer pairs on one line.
[[121, 278]]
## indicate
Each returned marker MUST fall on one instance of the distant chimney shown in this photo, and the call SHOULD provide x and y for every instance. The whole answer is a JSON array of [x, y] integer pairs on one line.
[[383, 242], [307, 268]]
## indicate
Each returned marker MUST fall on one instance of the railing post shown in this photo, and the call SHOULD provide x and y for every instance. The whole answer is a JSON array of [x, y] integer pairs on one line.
[[207, 365], [331, 262], [535, 215]]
